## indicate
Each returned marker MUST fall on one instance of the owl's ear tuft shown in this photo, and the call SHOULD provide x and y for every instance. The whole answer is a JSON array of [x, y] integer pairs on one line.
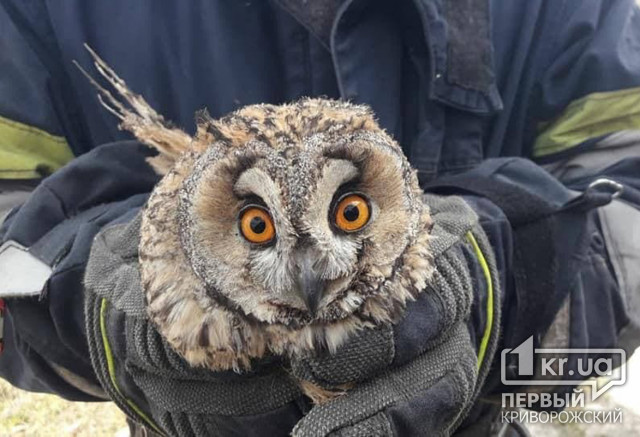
[[138, 117]]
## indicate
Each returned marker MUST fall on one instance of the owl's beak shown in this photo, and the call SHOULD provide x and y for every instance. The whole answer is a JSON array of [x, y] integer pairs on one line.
[[309, 283]]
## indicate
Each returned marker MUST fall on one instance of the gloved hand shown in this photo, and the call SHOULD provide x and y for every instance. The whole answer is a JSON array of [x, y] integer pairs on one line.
[[420, 376], [414, 378]]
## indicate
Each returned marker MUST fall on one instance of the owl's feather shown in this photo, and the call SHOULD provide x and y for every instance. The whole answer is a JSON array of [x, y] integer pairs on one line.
[[139, 118]]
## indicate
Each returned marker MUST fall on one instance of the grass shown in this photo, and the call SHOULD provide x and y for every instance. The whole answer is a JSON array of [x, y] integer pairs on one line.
[[34, 414]]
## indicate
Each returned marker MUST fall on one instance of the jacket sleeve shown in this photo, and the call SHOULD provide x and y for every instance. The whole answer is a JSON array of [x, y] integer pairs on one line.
[[45, 339], [33, 137], [587, 82], [567, 226]]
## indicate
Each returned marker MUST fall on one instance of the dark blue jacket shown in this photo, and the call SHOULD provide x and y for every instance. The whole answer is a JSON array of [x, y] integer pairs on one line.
[[479, 90]]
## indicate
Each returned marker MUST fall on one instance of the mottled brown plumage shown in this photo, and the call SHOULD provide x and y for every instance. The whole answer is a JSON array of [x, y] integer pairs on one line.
[[221, 301]]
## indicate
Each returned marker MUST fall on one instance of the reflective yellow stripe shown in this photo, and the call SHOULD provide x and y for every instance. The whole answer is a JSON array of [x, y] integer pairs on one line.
[[23, 149], [487, 275], [112, 367], [592, 116]]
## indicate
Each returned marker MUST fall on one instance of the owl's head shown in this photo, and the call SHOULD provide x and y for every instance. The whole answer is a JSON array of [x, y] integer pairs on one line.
[[299, 214], [280, 228]]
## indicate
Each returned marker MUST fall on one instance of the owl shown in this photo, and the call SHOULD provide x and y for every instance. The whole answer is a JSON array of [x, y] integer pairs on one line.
[[275, 230]]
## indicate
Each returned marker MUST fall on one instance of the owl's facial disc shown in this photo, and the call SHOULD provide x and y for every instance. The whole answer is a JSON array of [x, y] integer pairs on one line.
[[302, 251], [304, 234]]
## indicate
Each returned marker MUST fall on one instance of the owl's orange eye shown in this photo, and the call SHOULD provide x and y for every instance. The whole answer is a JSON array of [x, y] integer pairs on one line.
[[352, 212], [256, 225]]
